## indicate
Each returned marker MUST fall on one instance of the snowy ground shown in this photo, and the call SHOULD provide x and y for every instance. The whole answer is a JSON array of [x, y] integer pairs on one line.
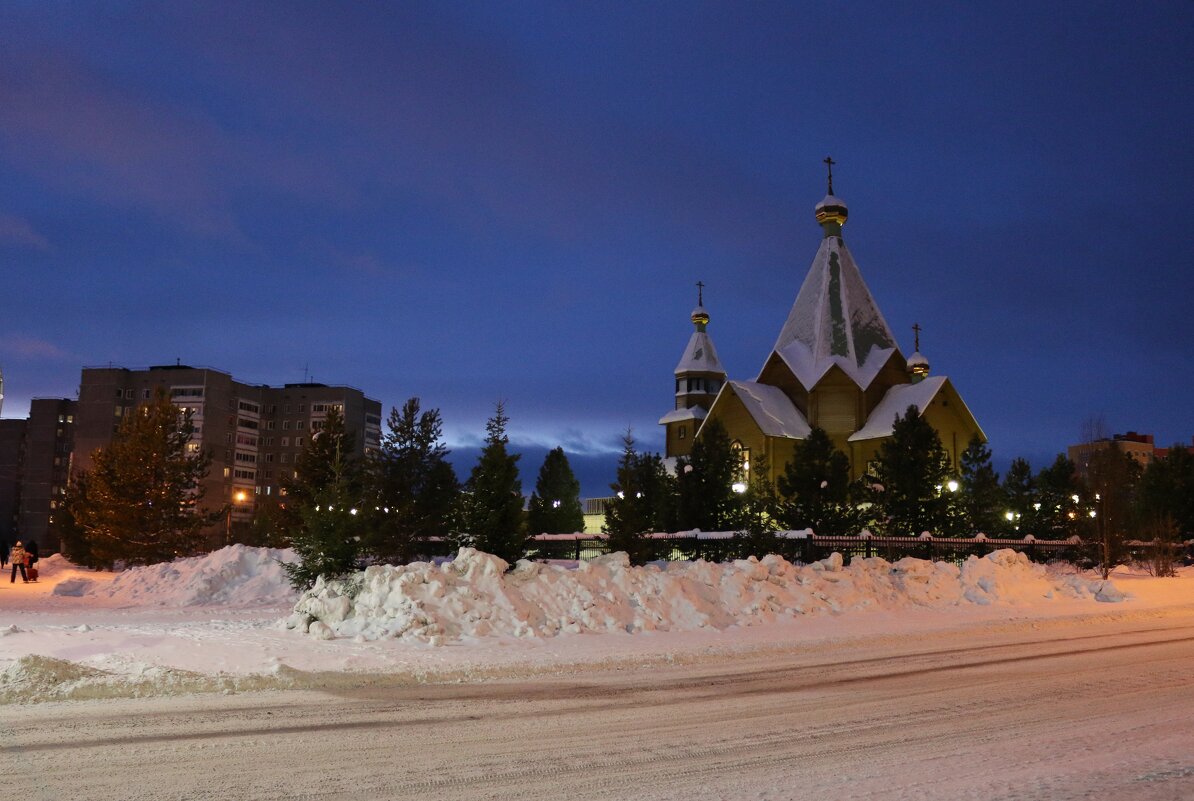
[[759, 681], [216, 622]]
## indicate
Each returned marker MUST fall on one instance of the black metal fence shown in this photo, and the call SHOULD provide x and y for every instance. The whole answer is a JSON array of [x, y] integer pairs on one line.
[[804, 548]]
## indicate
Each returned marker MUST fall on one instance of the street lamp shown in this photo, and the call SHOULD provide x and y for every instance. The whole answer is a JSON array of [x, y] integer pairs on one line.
[[237, 497]]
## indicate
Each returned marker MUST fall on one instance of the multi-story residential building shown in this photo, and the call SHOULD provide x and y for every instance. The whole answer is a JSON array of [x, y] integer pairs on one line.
[[12, 450], [46, 466], [253, 431], [1141, 447]]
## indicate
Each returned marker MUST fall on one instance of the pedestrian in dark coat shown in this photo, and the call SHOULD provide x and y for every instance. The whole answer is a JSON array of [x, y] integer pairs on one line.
[[3, 553]]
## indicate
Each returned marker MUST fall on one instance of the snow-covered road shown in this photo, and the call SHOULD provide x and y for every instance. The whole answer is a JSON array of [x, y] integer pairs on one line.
[[1096, 707]]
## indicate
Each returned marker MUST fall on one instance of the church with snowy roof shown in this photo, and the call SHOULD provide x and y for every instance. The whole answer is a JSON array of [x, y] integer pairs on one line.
[[836, 365]]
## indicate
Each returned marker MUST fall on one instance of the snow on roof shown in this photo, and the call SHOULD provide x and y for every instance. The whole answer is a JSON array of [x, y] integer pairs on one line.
[[699, 356], [771, 409], [831, 200], [809, 371], [917, 358], [835, 320], [675, 416], [895, 402]]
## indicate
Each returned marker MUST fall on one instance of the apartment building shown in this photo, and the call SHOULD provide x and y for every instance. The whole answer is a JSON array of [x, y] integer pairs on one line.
[[253, 431]]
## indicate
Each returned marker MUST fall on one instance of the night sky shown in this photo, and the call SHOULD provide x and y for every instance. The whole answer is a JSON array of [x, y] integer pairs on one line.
[[472, 202]]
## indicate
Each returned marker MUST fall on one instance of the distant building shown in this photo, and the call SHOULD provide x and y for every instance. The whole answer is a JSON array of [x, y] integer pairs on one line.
[[1141, 447], [254, 432], [46, 466], [12, 449]]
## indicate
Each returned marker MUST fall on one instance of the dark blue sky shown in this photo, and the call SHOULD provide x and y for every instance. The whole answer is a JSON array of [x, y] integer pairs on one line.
[[469, 202]]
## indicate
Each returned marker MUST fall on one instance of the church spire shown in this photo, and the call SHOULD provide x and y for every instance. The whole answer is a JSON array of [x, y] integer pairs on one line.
[[918, 365], [831, 211], [700, 317]]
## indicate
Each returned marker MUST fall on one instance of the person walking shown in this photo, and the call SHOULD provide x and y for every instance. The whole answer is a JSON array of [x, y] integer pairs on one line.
[[3, 553], [17, 556]]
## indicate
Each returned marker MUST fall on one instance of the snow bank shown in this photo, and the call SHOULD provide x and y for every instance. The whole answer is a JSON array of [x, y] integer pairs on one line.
[[474, 596], [237, 575]]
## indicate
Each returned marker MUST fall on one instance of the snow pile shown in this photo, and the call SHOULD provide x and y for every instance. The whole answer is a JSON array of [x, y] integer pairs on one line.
[[474, 596], [237, 575]]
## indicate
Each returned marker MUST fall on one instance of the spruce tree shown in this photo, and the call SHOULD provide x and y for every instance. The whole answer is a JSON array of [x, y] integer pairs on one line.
[[1167, 490], [643, 503], [491, 517], [555, 504], [1054, 512], [1113, 476], [142, 500], [815, 488], [758, 516], [324, 497], [411, 486], [981, 498], [704, 482], [912, 469], [1019, 493]]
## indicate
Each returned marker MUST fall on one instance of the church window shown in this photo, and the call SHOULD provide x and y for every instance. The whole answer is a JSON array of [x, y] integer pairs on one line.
[[741, 460], [682, 432]]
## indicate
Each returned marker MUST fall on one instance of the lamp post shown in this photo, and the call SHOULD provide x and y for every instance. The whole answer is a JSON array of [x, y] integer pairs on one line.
[[237, 497]]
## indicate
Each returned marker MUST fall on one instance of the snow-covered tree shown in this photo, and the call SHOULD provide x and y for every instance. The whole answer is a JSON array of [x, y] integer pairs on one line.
[[555, 504]]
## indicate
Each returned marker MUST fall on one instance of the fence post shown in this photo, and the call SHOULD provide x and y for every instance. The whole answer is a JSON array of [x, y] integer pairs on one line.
[[868, 547]]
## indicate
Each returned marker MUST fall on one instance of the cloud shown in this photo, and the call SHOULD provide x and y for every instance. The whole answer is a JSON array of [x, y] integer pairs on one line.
[[17, 231], [72, 126], [32, 349], [572, 440]]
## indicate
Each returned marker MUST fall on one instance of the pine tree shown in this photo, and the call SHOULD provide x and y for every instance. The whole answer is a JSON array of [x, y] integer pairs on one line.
[[643, 503], [75, 544], [912, 469], [1113, 476], [704, 482], [759, 515], [555, 504], [981, 498], [491, 517], [1054, 512], [1167, 490], [142, 500], [412, 487], [815, 488], [1019, 493], [324, 498]]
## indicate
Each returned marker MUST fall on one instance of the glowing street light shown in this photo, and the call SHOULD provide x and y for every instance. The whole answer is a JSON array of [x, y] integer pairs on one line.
[[738, 487], [951, 485]]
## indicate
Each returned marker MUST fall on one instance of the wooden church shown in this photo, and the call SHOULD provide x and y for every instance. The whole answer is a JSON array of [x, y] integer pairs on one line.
[[835, 364]]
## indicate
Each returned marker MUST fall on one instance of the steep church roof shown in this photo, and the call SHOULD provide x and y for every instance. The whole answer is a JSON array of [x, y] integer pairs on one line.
[[920, 394], [834, 320], [772, 410]]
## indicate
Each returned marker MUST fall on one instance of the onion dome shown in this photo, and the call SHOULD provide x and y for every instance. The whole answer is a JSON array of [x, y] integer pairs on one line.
[[918, 366], [700, 318], [831, 215]]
